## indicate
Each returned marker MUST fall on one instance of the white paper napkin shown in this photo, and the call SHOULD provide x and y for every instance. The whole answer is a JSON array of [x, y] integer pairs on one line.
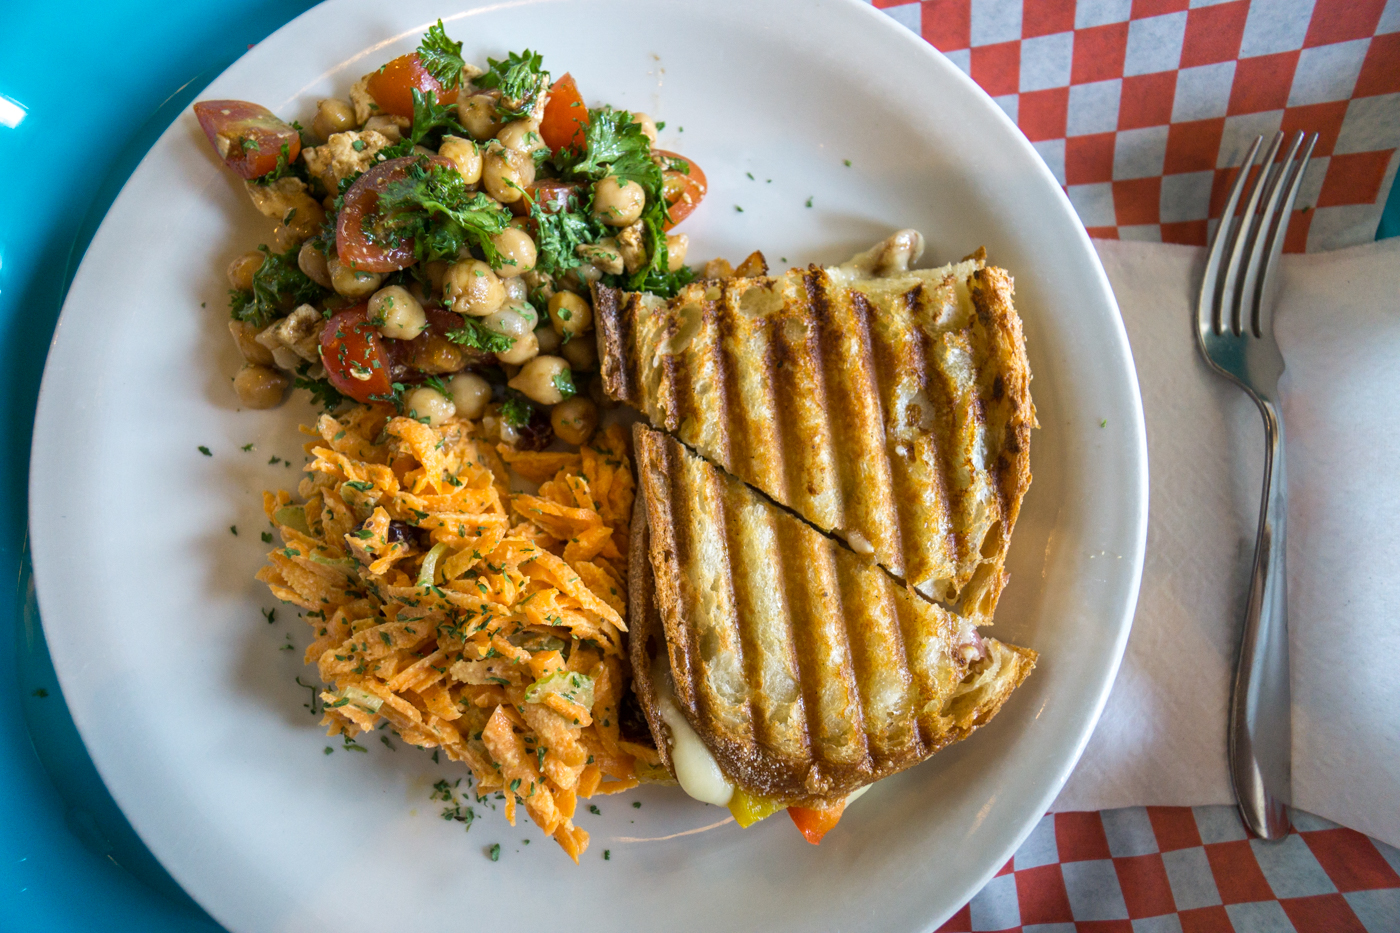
[[1161, 740]]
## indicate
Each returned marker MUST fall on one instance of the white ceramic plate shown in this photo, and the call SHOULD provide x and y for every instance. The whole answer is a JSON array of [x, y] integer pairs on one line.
[[178, 684]]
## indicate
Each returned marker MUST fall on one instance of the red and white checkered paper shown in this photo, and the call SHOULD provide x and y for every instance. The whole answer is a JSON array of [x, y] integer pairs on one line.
[[1142, 107], [1187, 870]]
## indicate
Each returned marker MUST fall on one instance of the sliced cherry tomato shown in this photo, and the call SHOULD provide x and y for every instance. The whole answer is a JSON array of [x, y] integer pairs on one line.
[[354, 245], [554, 194], [354, 356], [813, 823], [248, 137], [683, 190], [565, 118], [392, 86]]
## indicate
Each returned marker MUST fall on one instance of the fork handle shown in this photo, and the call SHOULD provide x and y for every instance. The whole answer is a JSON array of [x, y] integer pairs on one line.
[[1261, 725]]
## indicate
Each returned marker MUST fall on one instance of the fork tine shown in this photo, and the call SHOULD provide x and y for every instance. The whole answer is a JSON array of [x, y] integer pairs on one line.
[[1268, 216], [1244, 236], [1210, 284], [1268, 280]]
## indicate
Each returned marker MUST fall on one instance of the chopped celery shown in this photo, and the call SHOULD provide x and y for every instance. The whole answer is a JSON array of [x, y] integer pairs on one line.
[[574, 687], [293, 516]]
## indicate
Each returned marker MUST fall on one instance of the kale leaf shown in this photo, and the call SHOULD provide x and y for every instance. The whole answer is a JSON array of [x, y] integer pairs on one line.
[[441, 57], [279, 285]]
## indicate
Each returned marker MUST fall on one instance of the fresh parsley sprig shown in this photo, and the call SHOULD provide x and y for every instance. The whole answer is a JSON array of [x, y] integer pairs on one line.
[[474, 334], [441, 57], [520, 77], [279, 285], [433, 205]]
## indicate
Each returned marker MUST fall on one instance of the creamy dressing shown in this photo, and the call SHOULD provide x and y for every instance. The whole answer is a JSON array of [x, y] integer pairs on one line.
[[696, 769]]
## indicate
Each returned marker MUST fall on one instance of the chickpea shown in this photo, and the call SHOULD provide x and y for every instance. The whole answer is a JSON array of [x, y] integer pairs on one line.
[[570, 314], [510, 321], [436, 270], [677, 245], [260, 386], [240, 271], [574, 420], [431, 404], [507, 172], [648, 125], [333, 116], [516, 289], [548, 340], [524, 349], [352, 284], [470, 393], [313, 262], [522, 136], [539, 379], [470, 287], [618, 203], [398, 313], [517, 252], [245, 336], [582, 353], [478, 116], [464, 154]]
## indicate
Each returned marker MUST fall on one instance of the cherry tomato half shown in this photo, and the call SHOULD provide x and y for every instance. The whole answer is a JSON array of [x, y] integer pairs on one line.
[[354, 245], [248, 137], [683, 191], [565, 117], [814, 824], [354, 356], [392, 86], [553, 194]]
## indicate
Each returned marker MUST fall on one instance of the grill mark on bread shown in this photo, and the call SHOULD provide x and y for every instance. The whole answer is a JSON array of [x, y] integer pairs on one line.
[[844, 655], [770, 426]]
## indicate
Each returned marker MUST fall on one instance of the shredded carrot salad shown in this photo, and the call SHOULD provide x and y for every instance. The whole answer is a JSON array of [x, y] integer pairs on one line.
[[484, 623]]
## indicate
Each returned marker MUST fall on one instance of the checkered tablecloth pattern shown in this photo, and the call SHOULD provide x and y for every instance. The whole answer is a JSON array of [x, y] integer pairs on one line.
[[1141, 107], [1188, 870]]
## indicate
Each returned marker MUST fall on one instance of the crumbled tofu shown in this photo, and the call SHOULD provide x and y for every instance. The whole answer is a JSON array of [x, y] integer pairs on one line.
[[391, 126], [340, 158], [364, 104], [630, 245], [295, 338], [278, 199]]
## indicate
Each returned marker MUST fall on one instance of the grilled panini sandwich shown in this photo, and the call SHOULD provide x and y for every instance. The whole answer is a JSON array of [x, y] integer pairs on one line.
[[776, 666], [888, 406]]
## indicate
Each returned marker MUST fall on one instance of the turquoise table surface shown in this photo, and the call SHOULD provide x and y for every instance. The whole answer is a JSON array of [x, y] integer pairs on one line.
[[95, 85]]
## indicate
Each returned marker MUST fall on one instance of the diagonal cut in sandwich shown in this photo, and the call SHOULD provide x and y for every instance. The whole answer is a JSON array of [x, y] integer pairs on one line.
[[888, 406], [778, 668], [811, 564]]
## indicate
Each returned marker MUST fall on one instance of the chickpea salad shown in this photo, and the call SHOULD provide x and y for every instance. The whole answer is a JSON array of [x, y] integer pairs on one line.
[[437, 236]]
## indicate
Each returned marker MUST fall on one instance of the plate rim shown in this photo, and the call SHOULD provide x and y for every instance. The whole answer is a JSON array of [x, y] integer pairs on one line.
[[913, 44]]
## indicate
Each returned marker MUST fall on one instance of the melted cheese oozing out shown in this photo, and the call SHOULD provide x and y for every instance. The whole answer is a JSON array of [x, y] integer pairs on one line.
[[696, 768], [857, 794]]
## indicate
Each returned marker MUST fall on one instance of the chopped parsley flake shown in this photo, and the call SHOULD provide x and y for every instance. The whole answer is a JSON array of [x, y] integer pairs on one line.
[[205, 450]]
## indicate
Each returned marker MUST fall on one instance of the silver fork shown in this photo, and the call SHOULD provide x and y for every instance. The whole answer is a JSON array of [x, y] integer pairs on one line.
[[1234, 329]]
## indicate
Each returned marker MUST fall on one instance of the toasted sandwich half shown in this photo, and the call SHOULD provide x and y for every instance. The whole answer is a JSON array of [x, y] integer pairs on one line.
[[887, 406], [778, 668]]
